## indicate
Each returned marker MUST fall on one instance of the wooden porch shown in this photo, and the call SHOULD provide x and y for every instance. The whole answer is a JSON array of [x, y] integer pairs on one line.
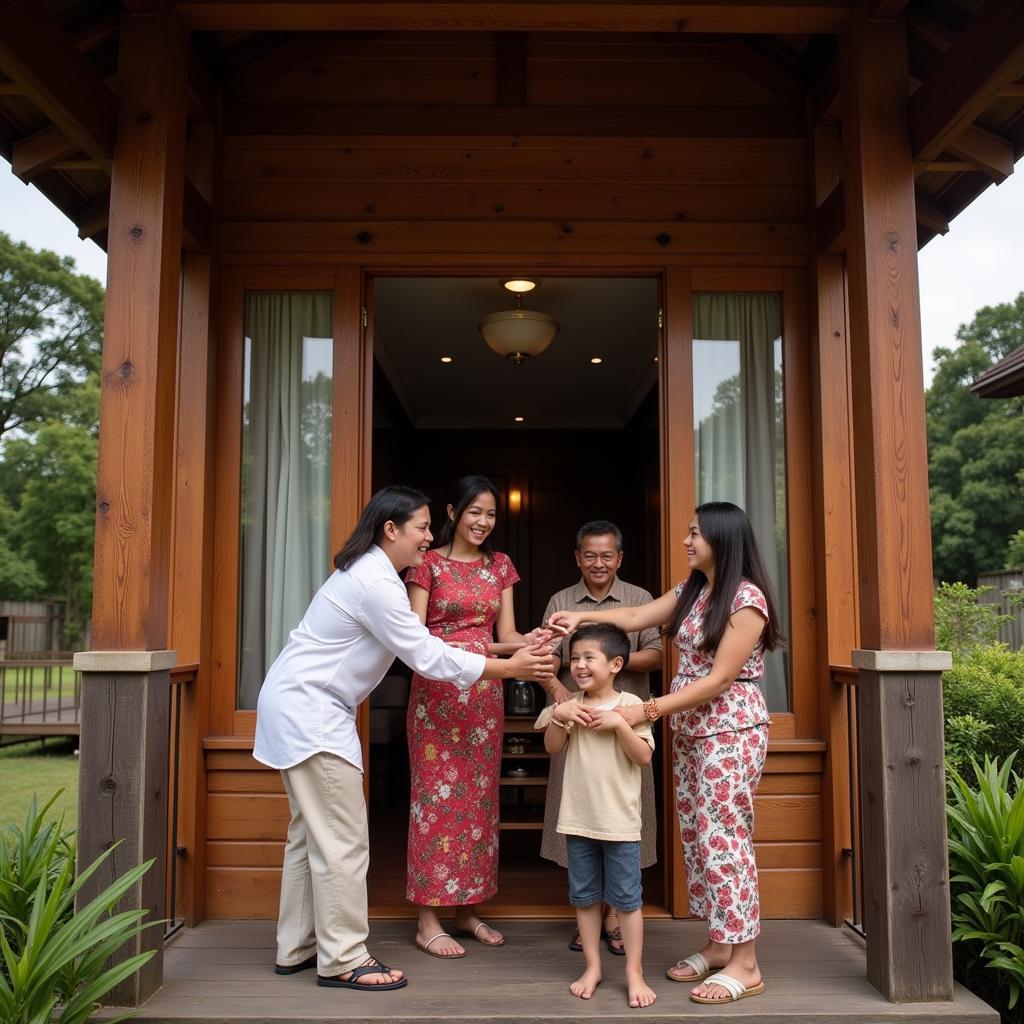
[[221, 972]]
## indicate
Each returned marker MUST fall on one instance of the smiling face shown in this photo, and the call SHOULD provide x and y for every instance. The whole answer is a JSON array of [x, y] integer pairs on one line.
[[407, 544], [599, 559], [591, 667], [476, 523], [698, 551]]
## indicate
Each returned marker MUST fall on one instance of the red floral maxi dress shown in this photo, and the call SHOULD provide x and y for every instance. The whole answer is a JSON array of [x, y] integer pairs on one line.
[[455, 740], [718, 753]]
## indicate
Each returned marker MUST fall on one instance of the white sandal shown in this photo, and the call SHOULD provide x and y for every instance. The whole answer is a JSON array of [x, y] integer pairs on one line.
[[697, 962], [736, 989], [425, 946]]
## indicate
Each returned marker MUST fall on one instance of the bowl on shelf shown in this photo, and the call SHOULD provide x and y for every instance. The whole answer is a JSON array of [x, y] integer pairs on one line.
[[518, 772]]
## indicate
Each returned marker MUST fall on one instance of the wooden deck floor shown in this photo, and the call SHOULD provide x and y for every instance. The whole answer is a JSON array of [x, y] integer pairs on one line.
[[220, 973]]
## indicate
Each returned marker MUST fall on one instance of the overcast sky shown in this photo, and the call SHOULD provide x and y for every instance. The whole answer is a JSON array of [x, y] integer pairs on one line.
[[979, 263]]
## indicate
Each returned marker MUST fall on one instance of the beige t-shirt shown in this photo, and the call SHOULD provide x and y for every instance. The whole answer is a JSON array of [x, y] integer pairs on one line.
[[601, 787]]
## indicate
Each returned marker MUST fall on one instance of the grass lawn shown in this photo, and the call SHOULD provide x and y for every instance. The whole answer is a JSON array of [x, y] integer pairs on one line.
[[27, 768]]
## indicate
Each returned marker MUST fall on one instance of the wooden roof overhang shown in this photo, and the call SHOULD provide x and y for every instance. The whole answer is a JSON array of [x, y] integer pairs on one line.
[[1004, 379], [59, 58]]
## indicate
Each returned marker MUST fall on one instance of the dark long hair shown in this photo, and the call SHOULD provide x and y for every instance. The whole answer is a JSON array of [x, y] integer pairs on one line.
[[395, 504], [463, 494], [727, 530]]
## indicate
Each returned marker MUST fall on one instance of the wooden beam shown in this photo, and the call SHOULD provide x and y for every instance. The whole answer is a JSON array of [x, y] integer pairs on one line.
[[510, 73], [987, 56], [906, 883], [930, 216], [795, 16], [937, 36], [654, 122], [988, 153], [35, 52], [886, 8], [197, 221], [202, 90], [93, 220], [830, 222], [32, 156], [825, 96]]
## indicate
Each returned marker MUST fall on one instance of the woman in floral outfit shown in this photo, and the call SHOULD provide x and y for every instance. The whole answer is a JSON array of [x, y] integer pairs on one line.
[[461, 591], [722, 619]]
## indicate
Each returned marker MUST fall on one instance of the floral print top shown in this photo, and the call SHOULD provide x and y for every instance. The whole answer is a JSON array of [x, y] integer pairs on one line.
[[465, 597], [742, 705]]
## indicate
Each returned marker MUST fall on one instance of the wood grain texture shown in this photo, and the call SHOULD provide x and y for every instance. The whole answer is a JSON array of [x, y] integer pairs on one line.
[[122, 796], [140, 342], [906, 910], [890, 451], [396, 16]]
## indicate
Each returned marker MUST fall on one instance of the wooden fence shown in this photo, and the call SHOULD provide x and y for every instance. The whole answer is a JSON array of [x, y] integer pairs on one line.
[[1007, 585]]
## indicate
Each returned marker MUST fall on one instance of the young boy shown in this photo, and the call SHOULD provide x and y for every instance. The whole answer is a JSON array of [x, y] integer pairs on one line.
[[600, 809]]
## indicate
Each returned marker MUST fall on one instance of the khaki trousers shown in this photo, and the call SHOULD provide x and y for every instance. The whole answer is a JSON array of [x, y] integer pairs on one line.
[[323, 883]]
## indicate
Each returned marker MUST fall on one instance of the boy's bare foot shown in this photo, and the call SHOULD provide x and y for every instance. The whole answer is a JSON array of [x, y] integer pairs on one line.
[[640, 993], [585, 984], [748, 977]]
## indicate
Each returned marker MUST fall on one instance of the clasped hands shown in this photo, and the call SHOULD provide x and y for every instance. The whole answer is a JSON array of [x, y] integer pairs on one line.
[[589, 718]]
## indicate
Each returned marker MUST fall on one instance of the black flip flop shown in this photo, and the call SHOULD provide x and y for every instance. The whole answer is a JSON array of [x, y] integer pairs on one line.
[[352, 980], [295, 968], [615, 935]]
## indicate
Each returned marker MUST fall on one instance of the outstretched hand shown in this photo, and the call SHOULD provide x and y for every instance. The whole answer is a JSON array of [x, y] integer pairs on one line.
[[564, 623], [534, 662]]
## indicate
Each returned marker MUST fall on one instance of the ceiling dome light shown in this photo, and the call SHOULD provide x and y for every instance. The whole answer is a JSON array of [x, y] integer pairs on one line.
[[519, 334], [519, 284], [519, 419], [446, 359], [596, 360]]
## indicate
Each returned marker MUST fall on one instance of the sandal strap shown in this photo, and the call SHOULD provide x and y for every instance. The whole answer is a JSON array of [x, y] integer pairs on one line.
[[731, 985], [373, 968], [697, 962], [615, 934], [439, 935]]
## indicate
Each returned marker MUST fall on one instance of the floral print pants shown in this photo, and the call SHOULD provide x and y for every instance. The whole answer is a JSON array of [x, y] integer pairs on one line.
[[715, 780]]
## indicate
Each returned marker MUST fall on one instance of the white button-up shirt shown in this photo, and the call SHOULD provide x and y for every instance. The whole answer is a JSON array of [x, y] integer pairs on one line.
[[356, 624]]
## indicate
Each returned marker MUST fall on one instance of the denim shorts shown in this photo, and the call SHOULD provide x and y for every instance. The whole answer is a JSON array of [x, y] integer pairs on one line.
[[603, 870]]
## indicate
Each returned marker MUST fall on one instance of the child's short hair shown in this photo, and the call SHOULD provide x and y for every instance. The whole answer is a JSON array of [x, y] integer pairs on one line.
[[613, 641]]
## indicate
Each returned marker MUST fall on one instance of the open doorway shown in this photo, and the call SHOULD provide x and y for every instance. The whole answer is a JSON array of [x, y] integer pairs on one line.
[[568, 437]]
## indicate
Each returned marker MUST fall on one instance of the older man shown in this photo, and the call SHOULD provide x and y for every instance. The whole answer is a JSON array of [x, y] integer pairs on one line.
[[599, 558]]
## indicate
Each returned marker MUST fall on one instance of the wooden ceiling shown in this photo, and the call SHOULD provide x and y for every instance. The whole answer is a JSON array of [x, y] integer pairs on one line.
[[58, 64]]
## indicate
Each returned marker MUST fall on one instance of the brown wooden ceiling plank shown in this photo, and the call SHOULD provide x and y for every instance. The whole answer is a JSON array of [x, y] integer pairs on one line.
[[510, 72], [35, 51], [653, 122], [762, 70], [275, 63], [825, 96], [83, 164], [990, 154], [987, 55], [930, 216], [886, 8], [795, 16], [202, 90]]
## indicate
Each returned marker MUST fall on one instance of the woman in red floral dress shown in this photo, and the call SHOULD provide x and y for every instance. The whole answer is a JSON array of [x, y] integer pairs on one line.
[[461, 591], [722, 619]]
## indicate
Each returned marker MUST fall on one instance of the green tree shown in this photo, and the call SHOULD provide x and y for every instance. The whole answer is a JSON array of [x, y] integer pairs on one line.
[[51, 326], [975, 449]]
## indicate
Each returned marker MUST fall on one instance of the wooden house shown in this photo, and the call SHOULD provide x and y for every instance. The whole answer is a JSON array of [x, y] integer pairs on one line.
[[307, 204]]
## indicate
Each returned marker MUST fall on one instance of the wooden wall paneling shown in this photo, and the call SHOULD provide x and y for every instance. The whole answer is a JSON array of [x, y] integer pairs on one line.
[[223, 666], [678, 490], [799, 504], [904, 842], [403, 200], [368, 239]]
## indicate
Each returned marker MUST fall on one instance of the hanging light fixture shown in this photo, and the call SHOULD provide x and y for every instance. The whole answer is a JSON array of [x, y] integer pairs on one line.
[[519, 334]]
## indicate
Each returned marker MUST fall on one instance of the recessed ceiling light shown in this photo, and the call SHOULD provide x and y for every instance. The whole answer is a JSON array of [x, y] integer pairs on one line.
[[446, 359], [596, 360], [655, 358], [520, 419], [519, 284]]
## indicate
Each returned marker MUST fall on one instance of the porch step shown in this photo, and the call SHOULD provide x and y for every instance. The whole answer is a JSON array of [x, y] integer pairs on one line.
[[221, 973]]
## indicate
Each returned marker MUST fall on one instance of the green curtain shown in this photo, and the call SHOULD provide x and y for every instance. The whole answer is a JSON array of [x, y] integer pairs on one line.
[[286, 473], [739, 450]]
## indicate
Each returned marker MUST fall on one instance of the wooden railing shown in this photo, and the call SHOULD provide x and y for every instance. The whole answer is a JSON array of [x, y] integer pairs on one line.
[[39, 695], [847, 677], [181, 676]]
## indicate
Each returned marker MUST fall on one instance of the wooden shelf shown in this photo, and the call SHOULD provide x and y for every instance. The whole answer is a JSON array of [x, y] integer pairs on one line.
[[520, 723], [535, 780], [529, 755], [521, 826]]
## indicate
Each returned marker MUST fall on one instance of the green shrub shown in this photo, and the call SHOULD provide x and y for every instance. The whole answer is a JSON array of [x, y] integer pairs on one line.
[[986, 867], [985, 684], [962, 623], [967, 739], [53, 960], [1015, 551]]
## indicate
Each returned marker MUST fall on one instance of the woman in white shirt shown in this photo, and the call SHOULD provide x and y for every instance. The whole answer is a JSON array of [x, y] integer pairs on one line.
[[357, 622]]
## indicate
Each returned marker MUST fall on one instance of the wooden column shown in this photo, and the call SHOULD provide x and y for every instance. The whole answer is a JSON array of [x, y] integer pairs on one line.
[[906, 911], [123, 772]]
